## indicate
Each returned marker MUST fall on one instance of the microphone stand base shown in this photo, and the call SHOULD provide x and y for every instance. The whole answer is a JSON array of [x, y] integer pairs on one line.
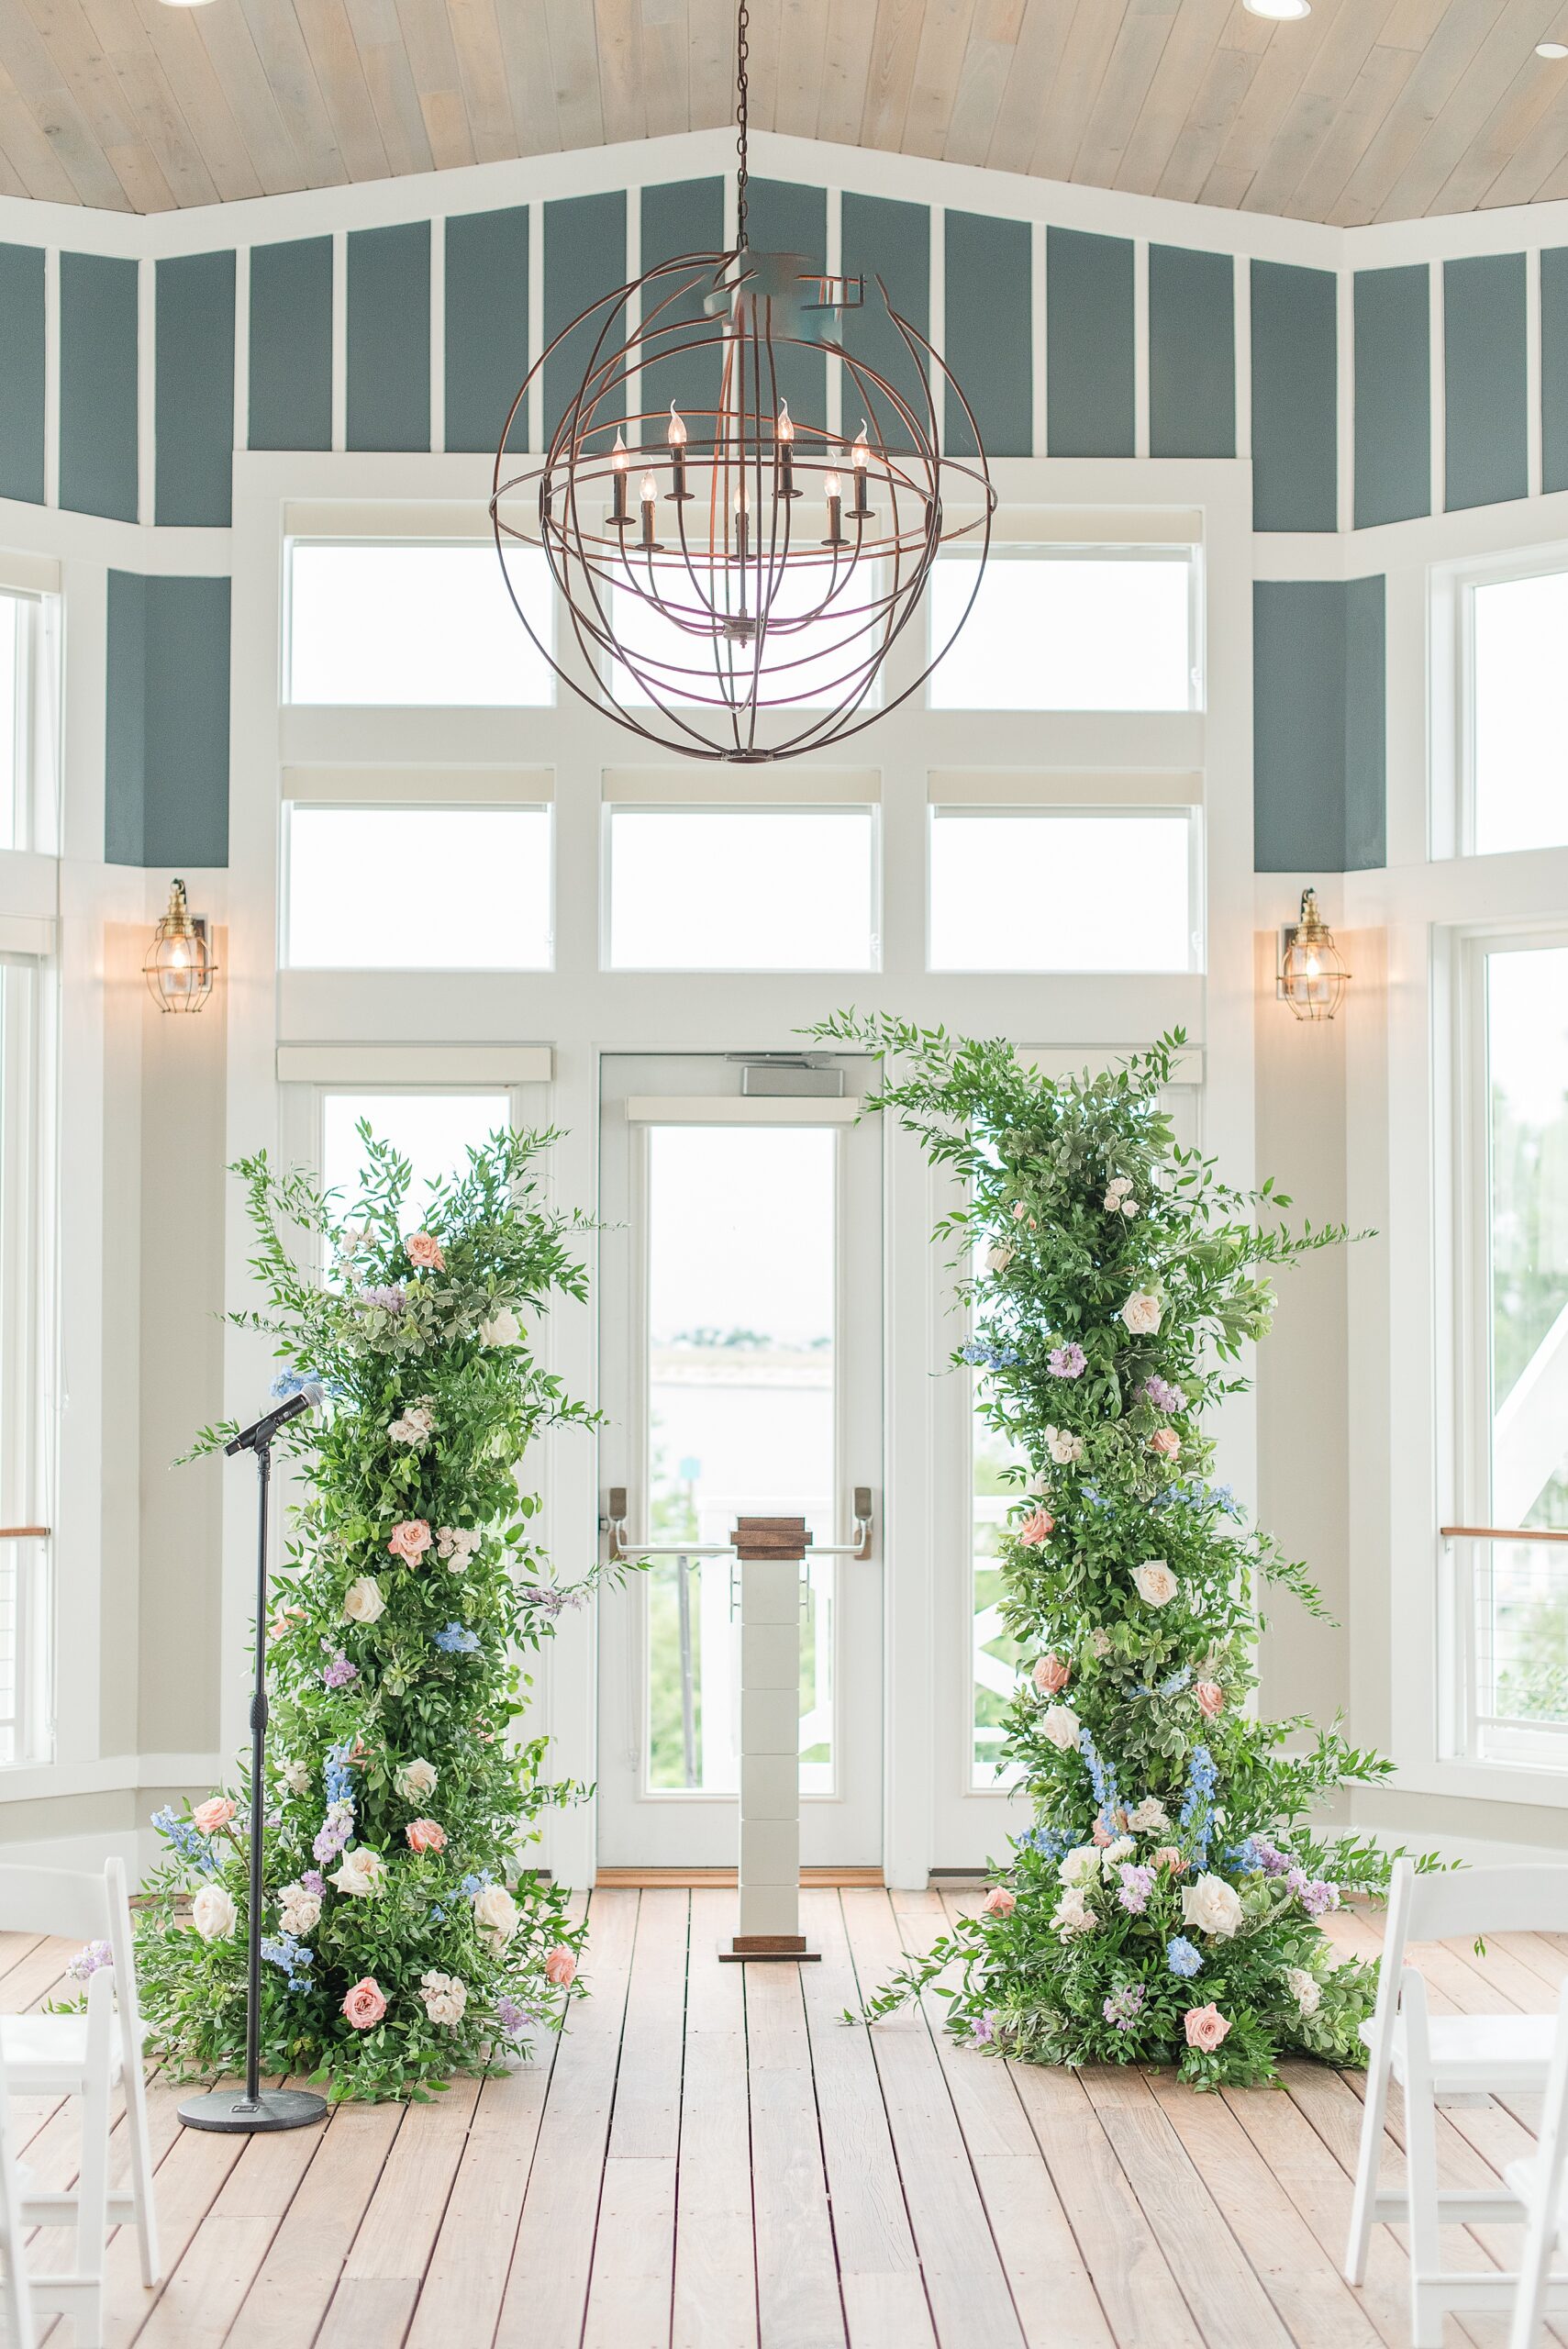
[[231, 2109]]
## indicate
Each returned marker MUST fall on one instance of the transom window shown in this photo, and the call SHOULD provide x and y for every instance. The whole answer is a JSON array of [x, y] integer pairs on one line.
[[417, 888], [415, 623], [1094, 627], [742, 889], [1064, 889], [1518, 713], [28, 694]]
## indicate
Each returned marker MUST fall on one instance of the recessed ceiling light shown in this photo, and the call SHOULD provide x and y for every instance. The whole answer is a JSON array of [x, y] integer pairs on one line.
[[1280, 11], [1553, 48], [184, 3]]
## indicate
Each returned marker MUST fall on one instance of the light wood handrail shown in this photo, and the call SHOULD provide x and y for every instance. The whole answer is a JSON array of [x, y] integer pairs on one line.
[[1496, 1533], [23, 1532]]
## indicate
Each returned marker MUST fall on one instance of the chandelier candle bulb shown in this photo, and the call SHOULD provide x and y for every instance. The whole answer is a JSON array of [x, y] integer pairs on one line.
[[833, 489], [648, 498], [783, 433], [619, 460], [860, 458], [677, 440]]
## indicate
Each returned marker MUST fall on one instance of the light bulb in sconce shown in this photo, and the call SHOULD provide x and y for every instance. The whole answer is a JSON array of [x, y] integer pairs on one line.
[[785, 427], [1312, 974], [860, 459], [619, 460], [676, 437], [178, 966]]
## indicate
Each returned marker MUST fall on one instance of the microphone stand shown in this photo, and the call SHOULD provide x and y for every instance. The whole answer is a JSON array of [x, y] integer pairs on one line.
[[253, 2110]]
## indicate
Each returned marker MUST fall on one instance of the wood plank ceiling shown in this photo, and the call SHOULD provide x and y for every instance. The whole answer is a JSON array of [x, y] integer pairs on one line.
[[1365, 110]]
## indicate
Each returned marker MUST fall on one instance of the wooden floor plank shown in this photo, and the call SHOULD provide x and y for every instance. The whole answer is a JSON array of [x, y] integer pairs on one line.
[[546, 2288], [297, 2280], [965, 2280], [879, 2267], [716, 2259], [374, 2304], [632, 2287], [798, 2303]]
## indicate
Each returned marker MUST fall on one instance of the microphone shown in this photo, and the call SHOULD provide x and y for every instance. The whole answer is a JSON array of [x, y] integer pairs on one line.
[[261, 1432]]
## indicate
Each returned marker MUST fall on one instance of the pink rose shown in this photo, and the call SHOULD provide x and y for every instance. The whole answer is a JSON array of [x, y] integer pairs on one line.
[[208, 1817], [1050, 1675], [1205, 2027], [998, 1902], [1211, 1698], [425, 1251], [1167, 1856], [559, 1967], [1100, 1833], [410, 1540], [1037, 1527], [1167, 1442], [365, 2004], [426, 1835]]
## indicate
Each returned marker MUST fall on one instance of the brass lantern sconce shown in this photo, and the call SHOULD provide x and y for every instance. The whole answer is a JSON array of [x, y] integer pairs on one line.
[[1312, 974], [178, 966]]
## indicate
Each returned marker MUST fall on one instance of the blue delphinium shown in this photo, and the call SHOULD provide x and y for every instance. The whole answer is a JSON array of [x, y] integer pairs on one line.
[[339, 1776], [291, 1957], [993, 1357], [1182, 1957], [1198, 1805], [457, 1640], [1050, 1843], [473, 1885], [188, 1840], [1101, 1777]]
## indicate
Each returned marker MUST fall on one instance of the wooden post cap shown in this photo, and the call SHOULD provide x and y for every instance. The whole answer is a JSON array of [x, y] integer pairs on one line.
[[771, 1537]]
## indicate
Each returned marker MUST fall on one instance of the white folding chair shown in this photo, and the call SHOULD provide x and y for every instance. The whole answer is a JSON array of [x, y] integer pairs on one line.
[[85, 2055], [1540, 2187], [21, 2332], [1444, 2058]]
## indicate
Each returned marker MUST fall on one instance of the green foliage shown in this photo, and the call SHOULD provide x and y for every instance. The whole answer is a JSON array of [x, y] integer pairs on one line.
[[411, 1585], [1170, 1869]]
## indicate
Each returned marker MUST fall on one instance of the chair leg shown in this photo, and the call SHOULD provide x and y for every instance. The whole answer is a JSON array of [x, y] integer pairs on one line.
[[1369, 2162], [141, 2175], [1426, 2242]]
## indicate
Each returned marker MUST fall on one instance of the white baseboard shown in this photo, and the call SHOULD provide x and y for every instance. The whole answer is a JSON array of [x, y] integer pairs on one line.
[[1468, 1850]]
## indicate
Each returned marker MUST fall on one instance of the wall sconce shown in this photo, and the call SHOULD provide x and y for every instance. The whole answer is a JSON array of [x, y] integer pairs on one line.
[[179, 967], [1312, 974]]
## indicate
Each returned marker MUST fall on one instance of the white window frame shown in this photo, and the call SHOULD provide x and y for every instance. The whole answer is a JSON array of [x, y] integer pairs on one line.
[[33, 818], [616, 799], [446, 527], [28, 1365], [1109, 809], [1454, 798], [1043, 545]]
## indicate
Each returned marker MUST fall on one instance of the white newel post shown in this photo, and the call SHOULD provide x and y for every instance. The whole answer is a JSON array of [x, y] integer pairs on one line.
[[769, 1552]]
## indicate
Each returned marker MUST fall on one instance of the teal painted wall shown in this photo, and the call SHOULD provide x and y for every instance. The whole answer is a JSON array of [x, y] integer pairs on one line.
[[389, 337], [98, 385], [1320, 725], [166, 721], [1393, 395], [487, 354], [1090, 400], [1483, 380], [22, 373], [195, 378], [585, 262], [291, 344], [989, 333], [1295, 395], [1192, 353]]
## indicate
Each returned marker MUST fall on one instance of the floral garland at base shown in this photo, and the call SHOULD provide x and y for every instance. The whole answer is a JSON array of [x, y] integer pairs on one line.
[[401, 1942], [1164, 1906]]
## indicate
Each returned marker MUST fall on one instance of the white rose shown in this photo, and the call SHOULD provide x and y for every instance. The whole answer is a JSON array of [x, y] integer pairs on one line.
[[501, 1327], [1117, 1188], [1155, 1582], [296, 1777], [417, 1779], [457, 1545], [1072, 1915], [1062, 1726], [1063, 1448], [1081, 1867], [300, 1910], [999, 1257], [213, 1914], [445, 1997], [1114, 1853], [362, 1601], [495, 1912], [1130, 1206], [1151, 1817], [1305, 1988], [362, 1873], [1213, 1906], [1141, 1313], [1100, 1642]]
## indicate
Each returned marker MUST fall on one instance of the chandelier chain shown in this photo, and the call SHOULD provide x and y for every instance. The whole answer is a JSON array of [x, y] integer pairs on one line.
[[742, 87]]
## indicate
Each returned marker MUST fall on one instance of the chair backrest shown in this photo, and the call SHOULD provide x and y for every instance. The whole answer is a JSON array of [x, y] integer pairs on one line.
[[57, 1900], [1487, 1900], [16, 2296]]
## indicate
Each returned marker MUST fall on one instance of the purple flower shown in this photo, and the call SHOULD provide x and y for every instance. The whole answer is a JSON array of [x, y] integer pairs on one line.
[[339, 1672], [1137, 1884], [390, 1300], [514, 2019], [1068, 1362], [1124, 2006], [1164, 1396], [1320, 1897], [549, 1598], [1296, 1880], [334, 1831], [982, 2029], [315, 1883], [86, 1962], [1269, 1856]]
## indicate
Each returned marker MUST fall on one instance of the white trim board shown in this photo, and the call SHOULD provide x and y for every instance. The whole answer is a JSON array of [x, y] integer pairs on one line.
[[426, 1064]]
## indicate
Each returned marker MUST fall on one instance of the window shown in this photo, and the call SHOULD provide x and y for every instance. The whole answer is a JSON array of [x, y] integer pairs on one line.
[[1518, 1610], [25, 1379], [1044, 889], [27, 720], [742, 889], [807, 668], [1099, 630], [1518, 717], [434, 1132], [742, 1385], [417, 888], [415, 623]]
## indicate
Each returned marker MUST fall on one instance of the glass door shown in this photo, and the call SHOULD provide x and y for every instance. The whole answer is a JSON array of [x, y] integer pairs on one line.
[[742, 1376]]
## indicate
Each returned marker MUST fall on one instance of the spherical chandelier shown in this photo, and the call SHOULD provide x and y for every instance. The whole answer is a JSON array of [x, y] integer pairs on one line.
[[735, 575]]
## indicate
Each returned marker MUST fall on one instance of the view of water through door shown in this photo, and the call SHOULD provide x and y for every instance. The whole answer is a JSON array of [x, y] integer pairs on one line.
[[742, 1295]]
